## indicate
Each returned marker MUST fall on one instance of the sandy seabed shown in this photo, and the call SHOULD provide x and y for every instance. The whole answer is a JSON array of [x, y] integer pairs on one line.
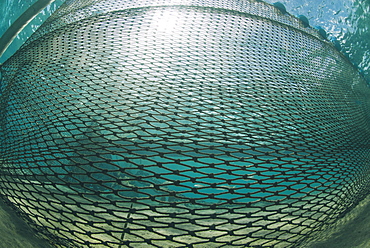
[[15, 233], [352, 231]]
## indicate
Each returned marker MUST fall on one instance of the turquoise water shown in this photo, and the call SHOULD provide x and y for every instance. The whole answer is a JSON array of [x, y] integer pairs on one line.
[[10, 10], [194, 152], [346, 20]]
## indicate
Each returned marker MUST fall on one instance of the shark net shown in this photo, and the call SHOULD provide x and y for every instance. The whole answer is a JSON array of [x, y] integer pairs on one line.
[[181, 124]]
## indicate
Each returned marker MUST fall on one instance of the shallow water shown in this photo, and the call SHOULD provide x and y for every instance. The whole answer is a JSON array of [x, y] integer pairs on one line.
[[346, 20], [340, 24]]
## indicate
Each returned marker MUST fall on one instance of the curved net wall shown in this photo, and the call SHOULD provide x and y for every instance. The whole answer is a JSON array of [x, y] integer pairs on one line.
[[181, 124]]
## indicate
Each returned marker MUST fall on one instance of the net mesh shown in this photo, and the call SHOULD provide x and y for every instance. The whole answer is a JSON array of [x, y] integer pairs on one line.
[[181, 124]]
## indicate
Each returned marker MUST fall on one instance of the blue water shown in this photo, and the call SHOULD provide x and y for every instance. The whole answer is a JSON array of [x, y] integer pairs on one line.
[[10, 10], [346, 20]]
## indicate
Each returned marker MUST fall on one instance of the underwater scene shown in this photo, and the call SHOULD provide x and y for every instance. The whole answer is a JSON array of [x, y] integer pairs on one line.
[[189, 123], [346, 21]]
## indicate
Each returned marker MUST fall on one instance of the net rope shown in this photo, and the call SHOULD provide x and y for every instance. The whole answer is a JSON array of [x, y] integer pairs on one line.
[[181, 124]]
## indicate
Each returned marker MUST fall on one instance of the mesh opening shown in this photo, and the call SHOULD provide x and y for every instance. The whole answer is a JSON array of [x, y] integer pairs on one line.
[[181, 124]]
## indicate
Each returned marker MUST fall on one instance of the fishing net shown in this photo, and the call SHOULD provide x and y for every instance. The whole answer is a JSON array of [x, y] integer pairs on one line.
[[201, 123]]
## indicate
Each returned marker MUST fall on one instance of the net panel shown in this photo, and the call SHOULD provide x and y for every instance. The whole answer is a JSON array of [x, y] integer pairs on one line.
[[181, 124]]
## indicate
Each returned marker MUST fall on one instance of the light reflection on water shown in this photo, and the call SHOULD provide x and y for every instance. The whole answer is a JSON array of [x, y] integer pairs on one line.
[[346, 20]]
